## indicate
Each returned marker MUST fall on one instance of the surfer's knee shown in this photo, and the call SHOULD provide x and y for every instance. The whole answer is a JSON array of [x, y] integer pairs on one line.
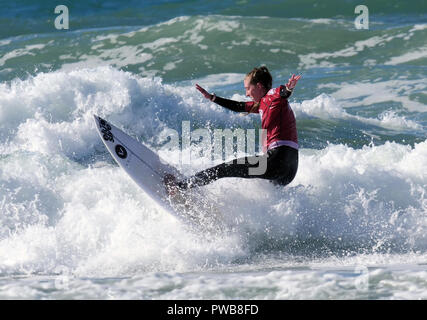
[[286, 178]]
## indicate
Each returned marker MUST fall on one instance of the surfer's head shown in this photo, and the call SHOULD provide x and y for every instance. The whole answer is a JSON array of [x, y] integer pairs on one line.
[[257, 83]]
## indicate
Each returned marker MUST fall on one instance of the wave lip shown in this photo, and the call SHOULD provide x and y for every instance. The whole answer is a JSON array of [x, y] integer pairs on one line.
[[327, 107]]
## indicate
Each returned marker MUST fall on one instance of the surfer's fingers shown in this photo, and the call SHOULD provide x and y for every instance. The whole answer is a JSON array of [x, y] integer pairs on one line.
[[295, 79], [200, 88], [206, 94]]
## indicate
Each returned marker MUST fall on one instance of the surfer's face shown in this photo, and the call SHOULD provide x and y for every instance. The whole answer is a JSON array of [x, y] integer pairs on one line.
[[254, 91]]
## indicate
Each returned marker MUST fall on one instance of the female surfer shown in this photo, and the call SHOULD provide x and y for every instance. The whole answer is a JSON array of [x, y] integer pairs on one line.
[[280, 162]]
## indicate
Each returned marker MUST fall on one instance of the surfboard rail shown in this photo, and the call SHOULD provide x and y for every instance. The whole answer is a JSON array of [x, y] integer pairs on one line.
[[147, 169]]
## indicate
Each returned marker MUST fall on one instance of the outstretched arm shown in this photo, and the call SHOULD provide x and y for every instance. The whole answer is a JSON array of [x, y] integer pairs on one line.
[[292, 82], [228, 104]]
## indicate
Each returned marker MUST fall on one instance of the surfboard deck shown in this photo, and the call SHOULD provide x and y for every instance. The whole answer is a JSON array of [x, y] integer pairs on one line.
[[147, 169]]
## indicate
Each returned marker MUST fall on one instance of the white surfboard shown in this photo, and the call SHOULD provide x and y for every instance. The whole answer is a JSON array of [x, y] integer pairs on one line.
[[147, 169]]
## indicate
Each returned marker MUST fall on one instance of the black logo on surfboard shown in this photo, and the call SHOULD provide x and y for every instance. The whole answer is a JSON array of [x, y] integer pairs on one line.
[[121, 151], [105, 129]]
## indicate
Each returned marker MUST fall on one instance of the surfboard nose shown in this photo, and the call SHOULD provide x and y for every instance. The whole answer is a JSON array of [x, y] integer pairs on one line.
[[97, 118]]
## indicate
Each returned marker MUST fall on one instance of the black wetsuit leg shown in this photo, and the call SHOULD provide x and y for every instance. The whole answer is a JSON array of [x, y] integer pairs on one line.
[[286, 166], [281, 165]]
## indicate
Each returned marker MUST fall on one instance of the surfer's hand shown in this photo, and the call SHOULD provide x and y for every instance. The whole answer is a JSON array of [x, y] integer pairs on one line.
[[206, 94], [292, 82]]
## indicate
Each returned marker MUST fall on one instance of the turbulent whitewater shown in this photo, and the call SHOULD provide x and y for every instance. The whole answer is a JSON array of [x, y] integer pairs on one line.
[[74, 225]]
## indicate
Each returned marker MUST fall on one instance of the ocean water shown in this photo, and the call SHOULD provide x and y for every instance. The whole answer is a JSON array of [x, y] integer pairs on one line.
[[353, 223]]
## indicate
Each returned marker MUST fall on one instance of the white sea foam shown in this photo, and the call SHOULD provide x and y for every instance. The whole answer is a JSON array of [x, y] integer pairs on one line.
[[421, 53], [5, 42], [106, 226], [125, 54], [368, 93], [326, 59], [65, 209], [319, 59], [28, 50], [326, 107], [221, 79]]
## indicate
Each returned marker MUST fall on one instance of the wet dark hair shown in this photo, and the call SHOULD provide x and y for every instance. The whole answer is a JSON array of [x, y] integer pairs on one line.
[[261, 75]]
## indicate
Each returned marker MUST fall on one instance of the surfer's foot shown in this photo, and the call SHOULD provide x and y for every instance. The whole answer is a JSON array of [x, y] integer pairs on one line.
[[171, 184]]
